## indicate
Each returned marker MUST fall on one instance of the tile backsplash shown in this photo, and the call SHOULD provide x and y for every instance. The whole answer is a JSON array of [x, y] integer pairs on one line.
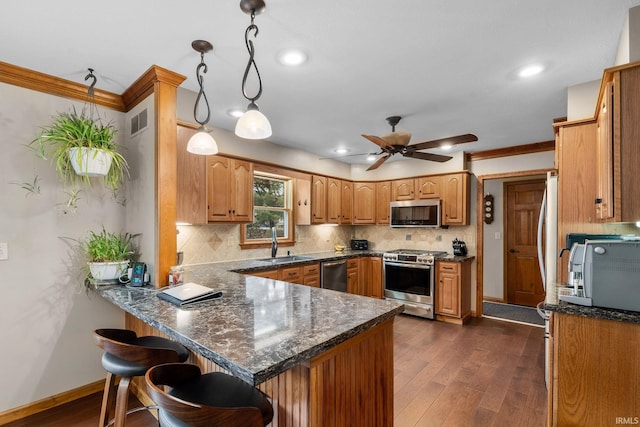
[[221, 242]]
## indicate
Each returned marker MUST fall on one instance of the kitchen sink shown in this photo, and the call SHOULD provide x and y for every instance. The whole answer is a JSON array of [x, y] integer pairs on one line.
[[285, 259]]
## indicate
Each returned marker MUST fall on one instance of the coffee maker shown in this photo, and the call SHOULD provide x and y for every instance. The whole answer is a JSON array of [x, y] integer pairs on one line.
[[576, 264]]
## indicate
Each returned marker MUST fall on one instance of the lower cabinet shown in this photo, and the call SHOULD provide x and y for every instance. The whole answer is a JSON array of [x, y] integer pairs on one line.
[[595, 374], [453, 291], [353, 276], [364, 275], [308, 274]]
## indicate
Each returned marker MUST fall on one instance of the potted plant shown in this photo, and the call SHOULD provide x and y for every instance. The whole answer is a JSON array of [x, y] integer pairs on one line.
[[76, 143], [108, 254]]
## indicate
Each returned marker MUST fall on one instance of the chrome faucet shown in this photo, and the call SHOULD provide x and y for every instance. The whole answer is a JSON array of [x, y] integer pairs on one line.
[[274, 242]]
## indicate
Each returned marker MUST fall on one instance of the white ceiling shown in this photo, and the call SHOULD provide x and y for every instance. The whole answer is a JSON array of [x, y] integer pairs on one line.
[[447, 67]]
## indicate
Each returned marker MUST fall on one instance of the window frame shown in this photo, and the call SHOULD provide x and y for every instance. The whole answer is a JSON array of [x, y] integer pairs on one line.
[[266, 243]]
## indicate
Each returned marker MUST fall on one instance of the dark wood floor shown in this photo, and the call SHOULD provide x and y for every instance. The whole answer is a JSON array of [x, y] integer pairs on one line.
[[486, 373]]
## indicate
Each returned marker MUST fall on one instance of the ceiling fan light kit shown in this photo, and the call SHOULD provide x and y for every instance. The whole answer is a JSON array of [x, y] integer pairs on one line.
[[398, 143], [253, 124]]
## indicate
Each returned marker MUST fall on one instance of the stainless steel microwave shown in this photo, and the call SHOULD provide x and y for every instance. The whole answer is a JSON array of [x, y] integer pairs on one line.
[[415, 213]]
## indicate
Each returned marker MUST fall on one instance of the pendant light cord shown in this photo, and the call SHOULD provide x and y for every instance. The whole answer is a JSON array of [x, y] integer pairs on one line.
[[251, 63], [201, 67]]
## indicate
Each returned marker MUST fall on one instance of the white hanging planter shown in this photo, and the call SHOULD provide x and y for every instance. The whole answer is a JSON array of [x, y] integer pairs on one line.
[[107, 272], [90, 161]]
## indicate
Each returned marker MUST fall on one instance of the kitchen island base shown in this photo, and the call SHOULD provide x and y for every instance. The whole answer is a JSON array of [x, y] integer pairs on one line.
[[349, 384]]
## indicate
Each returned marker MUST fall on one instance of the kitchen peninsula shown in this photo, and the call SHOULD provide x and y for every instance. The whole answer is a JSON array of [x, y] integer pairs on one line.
[[324, 357]]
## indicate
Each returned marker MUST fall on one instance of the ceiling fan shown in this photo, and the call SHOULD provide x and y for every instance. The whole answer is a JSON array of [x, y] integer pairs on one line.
[[398, 143]]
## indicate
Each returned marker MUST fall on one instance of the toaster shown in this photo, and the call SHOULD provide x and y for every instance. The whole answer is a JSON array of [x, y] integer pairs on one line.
[[357, 244]]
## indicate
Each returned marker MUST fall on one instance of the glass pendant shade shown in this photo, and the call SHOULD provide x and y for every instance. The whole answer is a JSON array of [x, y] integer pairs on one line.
[[253, 125], [202, 143]]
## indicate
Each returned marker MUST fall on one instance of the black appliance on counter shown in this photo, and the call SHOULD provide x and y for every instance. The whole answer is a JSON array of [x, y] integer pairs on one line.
[[409, 278], [360, 245]]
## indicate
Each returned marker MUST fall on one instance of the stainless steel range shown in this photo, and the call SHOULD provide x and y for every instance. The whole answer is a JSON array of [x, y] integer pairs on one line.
[[409, 278]]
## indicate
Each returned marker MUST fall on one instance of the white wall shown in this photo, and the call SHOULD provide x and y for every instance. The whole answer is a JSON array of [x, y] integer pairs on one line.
[[629, 44], [46, 316], [582, 100]]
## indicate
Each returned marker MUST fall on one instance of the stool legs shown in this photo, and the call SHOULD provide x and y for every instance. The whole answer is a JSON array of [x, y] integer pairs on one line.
[[122, 401], [108, 399]]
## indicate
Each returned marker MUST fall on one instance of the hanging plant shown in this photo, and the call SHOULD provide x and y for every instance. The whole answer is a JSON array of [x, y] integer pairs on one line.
[[74, 141]]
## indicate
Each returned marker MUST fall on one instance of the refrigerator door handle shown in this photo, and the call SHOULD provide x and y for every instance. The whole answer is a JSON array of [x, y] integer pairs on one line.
[[540, 251]]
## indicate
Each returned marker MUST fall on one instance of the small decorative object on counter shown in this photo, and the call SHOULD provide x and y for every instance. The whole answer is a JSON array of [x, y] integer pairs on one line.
[[459, 247], [176, 275], [338, 247]]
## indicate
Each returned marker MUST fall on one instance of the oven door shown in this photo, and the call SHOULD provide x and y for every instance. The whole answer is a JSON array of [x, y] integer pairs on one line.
[[409, 281]]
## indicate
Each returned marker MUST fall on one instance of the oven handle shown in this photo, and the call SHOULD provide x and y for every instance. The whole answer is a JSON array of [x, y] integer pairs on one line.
[[408, 265]]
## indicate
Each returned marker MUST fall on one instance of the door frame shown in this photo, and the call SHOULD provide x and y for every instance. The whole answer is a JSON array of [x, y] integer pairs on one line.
[[480, 225]]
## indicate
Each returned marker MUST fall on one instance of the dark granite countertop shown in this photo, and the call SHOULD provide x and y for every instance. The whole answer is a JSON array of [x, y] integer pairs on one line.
[[260, 327], [555, 305]]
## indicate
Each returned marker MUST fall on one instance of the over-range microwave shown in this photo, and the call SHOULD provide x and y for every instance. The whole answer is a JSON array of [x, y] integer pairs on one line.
[[415, 213]]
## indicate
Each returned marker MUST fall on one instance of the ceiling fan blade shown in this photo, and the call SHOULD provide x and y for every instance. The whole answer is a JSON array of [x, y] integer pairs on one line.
[[379, 141], [452, 140], [427, 156], [378, 162]]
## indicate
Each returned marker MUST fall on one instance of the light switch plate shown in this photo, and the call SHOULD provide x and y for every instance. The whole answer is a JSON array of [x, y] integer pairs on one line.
[[4, 251], [496, 235]]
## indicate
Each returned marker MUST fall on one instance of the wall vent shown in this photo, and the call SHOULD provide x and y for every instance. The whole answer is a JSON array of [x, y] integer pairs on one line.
[[139, 122]]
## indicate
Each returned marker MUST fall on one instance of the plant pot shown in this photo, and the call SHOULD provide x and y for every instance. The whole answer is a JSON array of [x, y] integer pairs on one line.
[[108, 272], [90, 161]]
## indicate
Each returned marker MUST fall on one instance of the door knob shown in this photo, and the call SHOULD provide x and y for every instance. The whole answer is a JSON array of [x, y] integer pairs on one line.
[[513, 251]]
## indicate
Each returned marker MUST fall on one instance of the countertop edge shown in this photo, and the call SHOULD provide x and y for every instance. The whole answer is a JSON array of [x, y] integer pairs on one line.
[[595, 312]]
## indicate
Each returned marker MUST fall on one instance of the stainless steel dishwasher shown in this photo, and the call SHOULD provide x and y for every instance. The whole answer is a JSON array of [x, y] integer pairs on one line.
[[333, 275]]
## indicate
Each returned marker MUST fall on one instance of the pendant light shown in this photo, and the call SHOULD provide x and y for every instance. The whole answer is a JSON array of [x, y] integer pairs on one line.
[[253, 124], [202, 142]]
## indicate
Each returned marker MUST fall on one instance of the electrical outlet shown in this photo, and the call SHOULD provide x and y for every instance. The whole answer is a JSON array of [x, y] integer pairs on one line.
[[496, 235], [4, 251], [439, 238], [407, 237], [229, 241]]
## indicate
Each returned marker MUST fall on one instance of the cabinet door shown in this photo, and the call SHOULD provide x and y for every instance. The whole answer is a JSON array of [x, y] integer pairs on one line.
[[333, 200], [448, 289], [576, 149], [218, 188], [346, 202], [191, 182], [318, 200], [455, 200], [291, 274], [402, 189], [302, 201], [383, 198], [428, 187], [627, 147], [242, 196], [268, 274], [371, 277], [364, 203], [311, 275], [353, 276], [604, 201]]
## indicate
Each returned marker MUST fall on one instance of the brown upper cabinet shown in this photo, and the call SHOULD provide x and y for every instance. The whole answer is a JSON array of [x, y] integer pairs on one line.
[[339, 201], [618, 150], [455, 199], [191, 182], [318, 199], [402, 189], [302, 201], [229, 190], [428, 187], [364, 203], [383, 198]]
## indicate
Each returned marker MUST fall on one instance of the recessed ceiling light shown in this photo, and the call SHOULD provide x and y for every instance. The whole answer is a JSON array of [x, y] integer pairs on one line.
[[371, 158], [235, 113], [341, 150], [292, 57], [530, 70]]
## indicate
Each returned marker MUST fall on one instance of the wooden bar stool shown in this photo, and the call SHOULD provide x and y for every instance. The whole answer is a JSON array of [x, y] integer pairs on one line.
[[126, 356], [197, 400]]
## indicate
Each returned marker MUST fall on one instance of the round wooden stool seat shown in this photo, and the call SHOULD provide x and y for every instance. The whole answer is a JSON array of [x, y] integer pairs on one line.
[[126, 356], [195, 399]]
